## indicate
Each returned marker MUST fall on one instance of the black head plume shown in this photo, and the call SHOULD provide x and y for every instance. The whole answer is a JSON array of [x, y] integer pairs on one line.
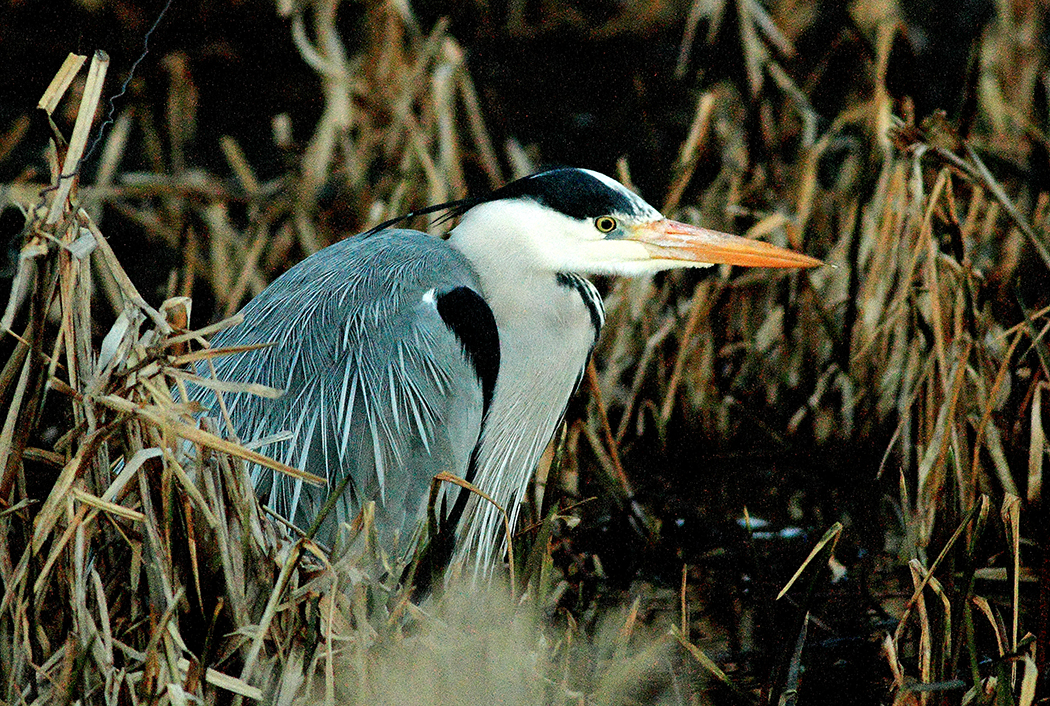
[[577, 193]]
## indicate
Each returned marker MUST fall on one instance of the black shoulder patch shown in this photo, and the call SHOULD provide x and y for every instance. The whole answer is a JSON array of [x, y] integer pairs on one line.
[[470, 318]]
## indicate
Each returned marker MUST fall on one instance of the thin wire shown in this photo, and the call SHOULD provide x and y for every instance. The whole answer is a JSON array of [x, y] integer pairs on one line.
[[113, 100]]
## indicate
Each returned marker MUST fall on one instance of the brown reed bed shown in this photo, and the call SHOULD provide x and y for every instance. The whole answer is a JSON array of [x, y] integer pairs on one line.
[[137, 565]]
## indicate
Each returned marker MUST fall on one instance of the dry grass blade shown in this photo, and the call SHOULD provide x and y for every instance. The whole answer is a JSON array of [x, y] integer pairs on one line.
[[789, 694], [689, 155], [127, 288], [445, 477], [993, 393], [1011, 514], [219, 385], [925, 648], [698, 310], [203, 333], [997, 189], [61, 82], [997, 627], [889, 649], [165, 420], [929, 573], [611, 452], [81, 130], [1029, 681], [944, 648], [111, 508], [828, 541], [291, 561], [1037, 448], [709, 665]]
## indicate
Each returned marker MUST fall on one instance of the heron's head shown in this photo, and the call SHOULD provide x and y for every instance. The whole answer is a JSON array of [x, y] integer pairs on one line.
[[576, 220]]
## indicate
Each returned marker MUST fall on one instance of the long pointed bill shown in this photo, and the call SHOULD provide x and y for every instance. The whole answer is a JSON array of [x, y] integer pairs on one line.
[[671, 240]]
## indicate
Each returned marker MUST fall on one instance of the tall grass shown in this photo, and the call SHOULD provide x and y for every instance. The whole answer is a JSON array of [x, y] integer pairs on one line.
[[160, 579]]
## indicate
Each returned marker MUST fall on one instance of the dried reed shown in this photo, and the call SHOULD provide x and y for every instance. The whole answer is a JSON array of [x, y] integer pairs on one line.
[[158, 578]]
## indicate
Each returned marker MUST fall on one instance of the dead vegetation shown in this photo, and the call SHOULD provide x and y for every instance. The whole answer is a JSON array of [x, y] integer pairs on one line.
[[135, 572]]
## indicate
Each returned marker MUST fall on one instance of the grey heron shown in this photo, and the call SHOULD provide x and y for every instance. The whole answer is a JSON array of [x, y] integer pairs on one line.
[[402, 355]]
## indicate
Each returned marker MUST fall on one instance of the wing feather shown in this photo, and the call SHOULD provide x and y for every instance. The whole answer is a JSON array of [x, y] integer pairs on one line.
[[377, 387]]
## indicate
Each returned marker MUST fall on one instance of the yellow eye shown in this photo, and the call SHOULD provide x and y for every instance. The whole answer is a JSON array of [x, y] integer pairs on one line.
[[605, 224]]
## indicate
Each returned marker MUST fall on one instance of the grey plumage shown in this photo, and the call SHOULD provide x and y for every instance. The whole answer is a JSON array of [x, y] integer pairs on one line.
[[376, 386]]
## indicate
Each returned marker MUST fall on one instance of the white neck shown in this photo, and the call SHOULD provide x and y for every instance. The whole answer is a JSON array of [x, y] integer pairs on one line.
[[546, 334], [506, 254]]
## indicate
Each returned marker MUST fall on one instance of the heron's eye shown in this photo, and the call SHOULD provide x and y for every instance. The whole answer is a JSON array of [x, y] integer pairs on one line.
[[605, 224]]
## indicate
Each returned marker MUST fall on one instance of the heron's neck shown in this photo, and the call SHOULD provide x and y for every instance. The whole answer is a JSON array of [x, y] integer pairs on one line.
[[547, 324], [503, 258]]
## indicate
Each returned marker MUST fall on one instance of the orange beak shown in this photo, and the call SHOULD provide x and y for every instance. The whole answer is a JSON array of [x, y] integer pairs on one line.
[[671, 240]]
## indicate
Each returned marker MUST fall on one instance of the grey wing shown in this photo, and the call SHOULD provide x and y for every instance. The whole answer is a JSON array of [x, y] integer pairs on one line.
[[378, 387]]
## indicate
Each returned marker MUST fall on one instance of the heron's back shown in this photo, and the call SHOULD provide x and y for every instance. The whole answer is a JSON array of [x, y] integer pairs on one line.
[[377, 386]]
